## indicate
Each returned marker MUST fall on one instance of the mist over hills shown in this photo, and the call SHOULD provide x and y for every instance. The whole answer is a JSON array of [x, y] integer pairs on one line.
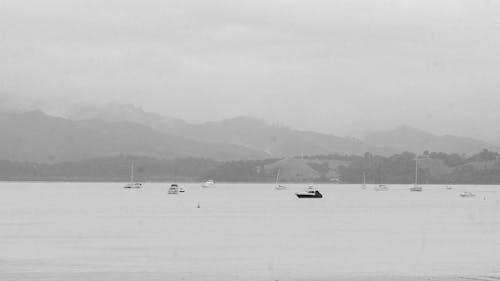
[[37, 137], [282, 141], [112, 130], [252, 133], [100, 143], [405, 138]]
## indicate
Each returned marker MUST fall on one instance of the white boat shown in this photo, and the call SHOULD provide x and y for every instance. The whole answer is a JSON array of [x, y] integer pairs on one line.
[[279, 186], [208, 184], [132, 184], [467, 194], [173, 189], [380, 187], [416, 187], [364, 181], [310, 192], [182, 190], [449, 187]]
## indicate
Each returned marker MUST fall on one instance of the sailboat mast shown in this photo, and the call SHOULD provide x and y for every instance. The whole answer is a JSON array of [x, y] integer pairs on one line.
[[416, 170], [132, 172], [277, 177]]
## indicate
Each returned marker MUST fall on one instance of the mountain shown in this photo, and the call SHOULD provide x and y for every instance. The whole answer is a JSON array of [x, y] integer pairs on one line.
[[254, 134], [113, 112], [275, 140], [405, 138], [37, 137]]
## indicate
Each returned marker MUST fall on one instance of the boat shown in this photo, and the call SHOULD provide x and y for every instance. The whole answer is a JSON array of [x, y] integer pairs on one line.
[[467, 194], [173, 189], [310, 192], [132, 184], [449, 187], [279, 186], [208, 184], [416, 187], [380, 187], [182, 190], [364, 181]]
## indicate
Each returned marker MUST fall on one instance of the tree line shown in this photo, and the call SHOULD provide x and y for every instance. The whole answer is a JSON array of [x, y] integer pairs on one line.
[[435, 168]]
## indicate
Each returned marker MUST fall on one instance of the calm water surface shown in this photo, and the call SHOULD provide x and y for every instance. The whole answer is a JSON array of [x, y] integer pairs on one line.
[[245, 231]]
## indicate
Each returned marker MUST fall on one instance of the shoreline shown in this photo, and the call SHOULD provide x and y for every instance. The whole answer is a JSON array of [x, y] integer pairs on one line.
[[228, 182], [157, 276]]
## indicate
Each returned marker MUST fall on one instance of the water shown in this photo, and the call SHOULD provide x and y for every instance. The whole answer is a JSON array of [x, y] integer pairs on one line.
[[63, 231]]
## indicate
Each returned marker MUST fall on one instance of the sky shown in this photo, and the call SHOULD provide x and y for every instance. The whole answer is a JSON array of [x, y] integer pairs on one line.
[[340, 67]]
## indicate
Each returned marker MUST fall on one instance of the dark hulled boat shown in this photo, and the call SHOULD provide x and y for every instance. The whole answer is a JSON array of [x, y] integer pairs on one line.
[[310, 192]]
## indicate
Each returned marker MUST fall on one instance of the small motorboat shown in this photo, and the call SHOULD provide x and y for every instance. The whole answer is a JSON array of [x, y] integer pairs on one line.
[[417, 188], [173, 189], [133, 185], [208, 184], [448, 187], [310, 192], [182, 190], [467, 194], [380, 187]]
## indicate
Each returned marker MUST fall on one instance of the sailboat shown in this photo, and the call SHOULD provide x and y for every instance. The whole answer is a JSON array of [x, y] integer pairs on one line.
[[380, 186], [132, 184], [279, 186], [364, 181], [416, 187]]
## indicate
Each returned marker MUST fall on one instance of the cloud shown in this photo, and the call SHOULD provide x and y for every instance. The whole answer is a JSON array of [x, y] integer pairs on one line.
[[334, 66]]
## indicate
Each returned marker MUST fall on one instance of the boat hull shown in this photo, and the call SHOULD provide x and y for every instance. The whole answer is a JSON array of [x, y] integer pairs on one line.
[[381, 187], [316, 194], [133, 185], [467, 194], [281, 187]]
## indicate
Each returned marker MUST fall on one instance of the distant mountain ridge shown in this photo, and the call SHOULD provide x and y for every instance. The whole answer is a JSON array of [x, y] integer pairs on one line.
[[252, 133], [113, 130], [37, 137], [405, 138]]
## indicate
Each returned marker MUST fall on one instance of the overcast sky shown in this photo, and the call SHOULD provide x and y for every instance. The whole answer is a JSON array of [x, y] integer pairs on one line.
[[340, 67]]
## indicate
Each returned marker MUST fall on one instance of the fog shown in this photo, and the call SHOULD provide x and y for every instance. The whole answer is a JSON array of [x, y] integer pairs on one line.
[[341, 67]]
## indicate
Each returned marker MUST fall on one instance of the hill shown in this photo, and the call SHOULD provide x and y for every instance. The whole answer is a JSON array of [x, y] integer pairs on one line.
[[37, 137], [405, 138], [252, 133]]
